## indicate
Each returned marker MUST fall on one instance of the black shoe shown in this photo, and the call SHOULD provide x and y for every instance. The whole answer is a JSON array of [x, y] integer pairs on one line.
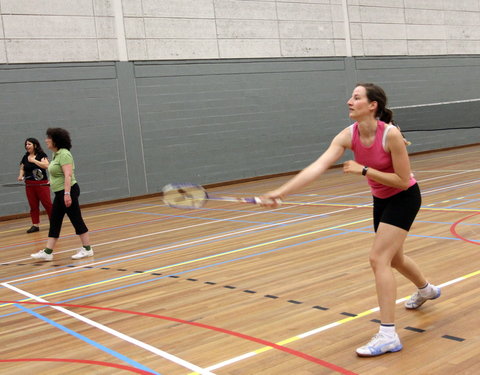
[[33, 228]]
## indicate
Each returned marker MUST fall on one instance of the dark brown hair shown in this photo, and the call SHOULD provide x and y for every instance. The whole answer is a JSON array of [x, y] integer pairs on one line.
[[60, 138], [36, 145], [376, 94]]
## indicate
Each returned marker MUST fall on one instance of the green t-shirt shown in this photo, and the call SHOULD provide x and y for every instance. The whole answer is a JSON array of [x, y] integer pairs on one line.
[[57, 178]]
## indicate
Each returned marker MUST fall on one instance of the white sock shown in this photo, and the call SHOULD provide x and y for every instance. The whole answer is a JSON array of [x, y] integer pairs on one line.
[[387, 330]]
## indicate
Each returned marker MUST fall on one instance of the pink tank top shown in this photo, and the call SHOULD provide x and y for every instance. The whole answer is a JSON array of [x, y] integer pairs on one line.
[[376, 157]]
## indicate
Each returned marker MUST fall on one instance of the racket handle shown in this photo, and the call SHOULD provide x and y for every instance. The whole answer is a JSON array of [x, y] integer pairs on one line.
[[257, 200]]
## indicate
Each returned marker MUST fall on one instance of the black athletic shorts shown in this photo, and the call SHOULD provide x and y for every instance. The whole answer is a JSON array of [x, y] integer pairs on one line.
[[398, 210]]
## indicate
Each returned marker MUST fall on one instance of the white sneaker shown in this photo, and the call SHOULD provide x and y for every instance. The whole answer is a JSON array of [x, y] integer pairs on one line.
[[417, 300], [42, 255], [83, 253], [380, 344]]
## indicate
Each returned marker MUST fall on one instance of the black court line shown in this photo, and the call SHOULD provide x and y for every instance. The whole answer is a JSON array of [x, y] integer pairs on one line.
[[231, 287], [453, 338], [419, 330]]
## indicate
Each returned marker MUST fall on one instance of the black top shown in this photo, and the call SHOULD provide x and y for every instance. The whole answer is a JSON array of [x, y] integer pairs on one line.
[[33, 171]]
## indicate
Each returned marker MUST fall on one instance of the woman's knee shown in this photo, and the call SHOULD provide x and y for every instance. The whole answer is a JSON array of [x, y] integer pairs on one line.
[[377, 262], [380, 260]]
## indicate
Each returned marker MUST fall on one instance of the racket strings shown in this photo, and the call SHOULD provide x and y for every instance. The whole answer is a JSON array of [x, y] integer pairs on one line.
[[184, 197]]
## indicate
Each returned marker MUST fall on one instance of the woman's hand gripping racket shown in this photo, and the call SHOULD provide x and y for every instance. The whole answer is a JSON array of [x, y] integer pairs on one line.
[[188, 196], [37, 175], [21, 183]]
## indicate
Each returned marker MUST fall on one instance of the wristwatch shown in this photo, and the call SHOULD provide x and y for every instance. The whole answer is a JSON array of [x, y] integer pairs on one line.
[[364, 171]]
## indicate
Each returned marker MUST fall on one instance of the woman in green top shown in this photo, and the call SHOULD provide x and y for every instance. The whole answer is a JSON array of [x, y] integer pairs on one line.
[[66, 190]]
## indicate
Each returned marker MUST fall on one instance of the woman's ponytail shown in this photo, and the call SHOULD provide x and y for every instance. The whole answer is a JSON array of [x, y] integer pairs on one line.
[[386, 116]]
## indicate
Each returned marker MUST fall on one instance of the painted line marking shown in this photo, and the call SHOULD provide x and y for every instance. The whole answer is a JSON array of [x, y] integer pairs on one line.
[[453, 229], [200, 325], [85, 339], [115, 333], [437, 103], [188, 261], [453, 338], [325, 327], [198, 241], [86, 361]]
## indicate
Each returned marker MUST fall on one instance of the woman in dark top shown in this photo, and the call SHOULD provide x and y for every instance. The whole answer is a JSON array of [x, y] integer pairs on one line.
[[33, 171]]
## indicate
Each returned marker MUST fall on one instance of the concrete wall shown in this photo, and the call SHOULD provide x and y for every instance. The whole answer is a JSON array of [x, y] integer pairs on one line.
[[138, 126], [109, 30], [206, 91]]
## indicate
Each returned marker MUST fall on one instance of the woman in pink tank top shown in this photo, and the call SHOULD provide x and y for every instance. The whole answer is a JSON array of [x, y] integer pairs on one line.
[[381, 157]]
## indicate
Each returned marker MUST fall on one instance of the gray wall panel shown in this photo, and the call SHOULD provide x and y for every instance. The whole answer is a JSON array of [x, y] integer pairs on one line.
[[131, 130], [55, 72], [138, 126], [429, 93], [219, 123], [87, 105]]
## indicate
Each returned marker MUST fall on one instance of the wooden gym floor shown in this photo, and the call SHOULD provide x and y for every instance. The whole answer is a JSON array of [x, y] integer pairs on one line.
[[237, 289]]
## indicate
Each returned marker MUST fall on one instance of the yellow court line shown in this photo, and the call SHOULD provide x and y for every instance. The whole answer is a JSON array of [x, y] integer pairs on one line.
[[323, 328], [196, 260], [427, 208]]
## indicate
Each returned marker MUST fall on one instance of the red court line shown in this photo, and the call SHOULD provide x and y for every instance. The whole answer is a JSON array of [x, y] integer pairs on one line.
[[106, 364], [453, 229], [294, 352]]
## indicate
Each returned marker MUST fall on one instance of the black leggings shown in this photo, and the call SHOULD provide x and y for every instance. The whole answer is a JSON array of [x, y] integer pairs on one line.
[[73, 212], [399, 210]]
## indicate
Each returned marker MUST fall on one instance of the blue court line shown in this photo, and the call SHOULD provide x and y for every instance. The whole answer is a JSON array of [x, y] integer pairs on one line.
[[233, 234], [220, 254], [217, 219], [444, 222], [97, 345], [445, 187], [172, 274], [80, 268], [409, 234], [233, 231], [216, 240], [463, 202], [193, 217], [342, 232], [209, 209], [369, 229]]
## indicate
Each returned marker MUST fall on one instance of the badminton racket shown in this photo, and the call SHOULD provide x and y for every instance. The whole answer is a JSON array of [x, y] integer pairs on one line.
[[189, 196], [37, 176], [23, 184]]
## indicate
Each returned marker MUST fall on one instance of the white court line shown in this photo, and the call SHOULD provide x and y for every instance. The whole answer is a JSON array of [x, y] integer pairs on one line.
[[144, 235], [447, 170], [210, 237], [186, 243], [192, 226], [450, 187], [321, 329], [115, 333], [438, 103], [448, 175], [270, 225]]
